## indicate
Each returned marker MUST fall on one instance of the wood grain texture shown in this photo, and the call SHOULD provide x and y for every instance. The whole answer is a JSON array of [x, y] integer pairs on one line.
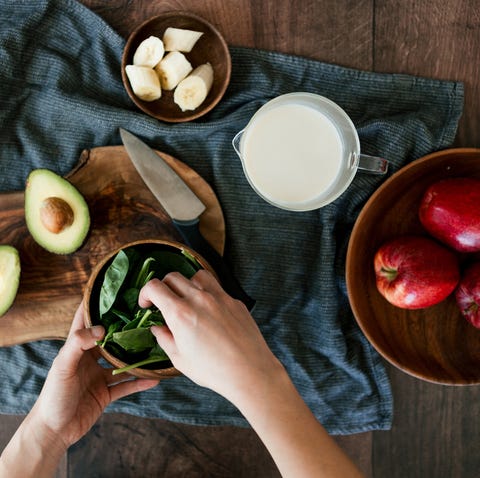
[[338, 31], [435, 343], [122, 210], [436, 431], [435, 428], [9, 424], [128, 447], [435, 39]]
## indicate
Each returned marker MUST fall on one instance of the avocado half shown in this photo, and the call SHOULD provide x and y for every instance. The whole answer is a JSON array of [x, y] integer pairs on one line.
[[56, 214], [9, 276]]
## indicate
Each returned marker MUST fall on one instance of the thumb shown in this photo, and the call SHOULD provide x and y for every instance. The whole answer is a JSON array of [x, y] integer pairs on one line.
[[78, 342]]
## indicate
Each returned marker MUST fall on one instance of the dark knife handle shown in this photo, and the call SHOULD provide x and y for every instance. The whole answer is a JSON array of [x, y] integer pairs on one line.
[[192, 237]]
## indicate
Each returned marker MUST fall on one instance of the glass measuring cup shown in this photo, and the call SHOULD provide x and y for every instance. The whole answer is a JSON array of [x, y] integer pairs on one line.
[[301, 151]]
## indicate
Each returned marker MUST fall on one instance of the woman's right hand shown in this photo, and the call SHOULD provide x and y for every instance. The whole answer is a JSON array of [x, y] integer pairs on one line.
[[210, 337], [213, 339]]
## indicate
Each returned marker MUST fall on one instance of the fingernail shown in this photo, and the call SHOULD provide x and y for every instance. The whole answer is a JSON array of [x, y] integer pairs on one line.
[[97, 331]]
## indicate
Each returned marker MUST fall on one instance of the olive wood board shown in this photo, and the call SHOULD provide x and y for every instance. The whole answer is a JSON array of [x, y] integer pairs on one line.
[[122, 209]]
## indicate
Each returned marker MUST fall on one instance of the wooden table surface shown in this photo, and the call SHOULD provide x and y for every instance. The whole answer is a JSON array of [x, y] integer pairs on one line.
[[436, 429]]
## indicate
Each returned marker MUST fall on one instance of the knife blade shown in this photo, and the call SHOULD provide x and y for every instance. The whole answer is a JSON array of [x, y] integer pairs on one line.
[[183, 207]]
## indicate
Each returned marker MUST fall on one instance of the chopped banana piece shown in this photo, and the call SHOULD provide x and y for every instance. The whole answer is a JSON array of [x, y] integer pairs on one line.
[[192, 91], [149, 52], [173, 69], [179, 39], [144, 81]]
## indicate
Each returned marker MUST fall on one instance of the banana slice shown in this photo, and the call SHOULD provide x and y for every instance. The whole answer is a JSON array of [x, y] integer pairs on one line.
[[192, 91], [144, 81], [179, 39], [173, 69], [149, 52]]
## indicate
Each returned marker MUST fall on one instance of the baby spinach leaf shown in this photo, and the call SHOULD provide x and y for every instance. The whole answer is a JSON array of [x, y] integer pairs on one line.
[[121, 315], [128, 325], [114, 278], [108, 336], [144, 317], [158, 352], [109, 318], [130, 296], [192, 259], [156, 318], [156, 355], [135, 340], [167, 261], [133, 324], [144, 275]]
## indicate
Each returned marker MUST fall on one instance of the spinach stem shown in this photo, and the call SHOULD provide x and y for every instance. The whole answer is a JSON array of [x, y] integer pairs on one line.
[[136, 365], [147, 313], [143, 274]]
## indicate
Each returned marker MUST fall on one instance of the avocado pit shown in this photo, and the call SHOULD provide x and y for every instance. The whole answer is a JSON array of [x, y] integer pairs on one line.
[[56, 214]]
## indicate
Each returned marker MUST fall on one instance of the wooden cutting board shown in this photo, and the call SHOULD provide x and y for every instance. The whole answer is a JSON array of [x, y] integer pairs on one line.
[[122, 209]]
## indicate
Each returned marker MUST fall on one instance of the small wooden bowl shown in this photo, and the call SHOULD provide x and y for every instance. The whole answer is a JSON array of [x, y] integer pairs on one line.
[[91, 297], [435, 344], [211, 47]]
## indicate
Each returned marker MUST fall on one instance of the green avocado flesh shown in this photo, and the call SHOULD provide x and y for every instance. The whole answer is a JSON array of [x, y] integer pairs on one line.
[[9, 276], [56, 213]]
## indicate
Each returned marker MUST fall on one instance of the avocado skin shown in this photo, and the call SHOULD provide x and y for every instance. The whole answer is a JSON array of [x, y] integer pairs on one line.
[[10, 270], [41, 185]]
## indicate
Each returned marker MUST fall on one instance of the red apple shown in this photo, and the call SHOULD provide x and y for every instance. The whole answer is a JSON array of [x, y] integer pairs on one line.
[[468, 294], [414, 272], [450, 212]]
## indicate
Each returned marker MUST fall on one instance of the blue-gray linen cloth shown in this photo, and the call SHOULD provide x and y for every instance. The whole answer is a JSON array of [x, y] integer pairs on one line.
[[61, 92]]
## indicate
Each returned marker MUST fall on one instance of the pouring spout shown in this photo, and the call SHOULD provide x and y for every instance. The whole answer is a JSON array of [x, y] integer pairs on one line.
[[236, 142]]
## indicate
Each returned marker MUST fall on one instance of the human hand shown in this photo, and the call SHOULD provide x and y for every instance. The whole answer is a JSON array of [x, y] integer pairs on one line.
[[78, 388], [213, 339], [210, 337]]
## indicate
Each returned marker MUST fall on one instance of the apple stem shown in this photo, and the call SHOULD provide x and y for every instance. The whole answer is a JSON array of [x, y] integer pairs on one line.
[[390, 274], [472, 308]]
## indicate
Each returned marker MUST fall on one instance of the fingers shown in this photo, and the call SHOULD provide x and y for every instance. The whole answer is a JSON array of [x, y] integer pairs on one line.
[[158, 293], [128, 387], [77, 322], [79, 341], [165, 339], [204, 280], [174, 286]]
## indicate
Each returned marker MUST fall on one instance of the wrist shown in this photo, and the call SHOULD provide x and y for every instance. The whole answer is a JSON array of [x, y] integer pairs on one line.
[[297, 442], [34, 450], [35, 440], [44, 436], [261, 388]]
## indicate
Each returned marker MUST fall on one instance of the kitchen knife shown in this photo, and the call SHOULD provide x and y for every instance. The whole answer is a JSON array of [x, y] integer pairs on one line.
[[183, 206]]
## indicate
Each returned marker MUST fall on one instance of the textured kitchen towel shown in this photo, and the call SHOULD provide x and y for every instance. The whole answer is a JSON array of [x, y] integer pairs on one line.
[[61, 92]]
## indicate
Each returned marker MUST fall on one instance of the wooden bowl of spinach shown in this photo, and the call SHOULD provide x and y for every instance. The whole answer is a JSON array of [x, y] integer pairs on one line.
[[111, 300]]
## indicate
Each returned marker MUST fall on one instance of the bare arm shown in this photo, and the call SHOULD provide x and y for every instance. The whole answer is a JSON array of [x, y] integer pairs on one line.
[[213, 339], [74, 395]]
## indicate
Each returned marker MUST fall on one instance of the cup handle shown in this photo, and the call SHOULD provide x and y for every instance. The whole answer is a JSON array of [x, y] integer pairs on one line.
[[372, 164]]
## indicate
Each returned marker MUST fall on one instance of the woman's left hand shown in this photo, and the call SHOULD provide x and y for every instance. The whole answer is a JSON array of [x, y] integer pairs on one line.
[[78, 388]]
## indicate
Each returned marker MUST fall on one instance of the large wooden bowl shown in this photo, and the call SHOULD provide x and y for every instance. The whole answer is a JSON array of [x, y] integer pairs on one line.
[[91, 297], [435, 344], [211, 48]]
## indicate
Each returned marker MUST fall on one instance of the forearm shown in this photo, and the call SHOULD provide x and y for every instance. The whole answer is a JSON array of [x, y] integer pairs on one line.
[[298, 443], [32, 452]]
